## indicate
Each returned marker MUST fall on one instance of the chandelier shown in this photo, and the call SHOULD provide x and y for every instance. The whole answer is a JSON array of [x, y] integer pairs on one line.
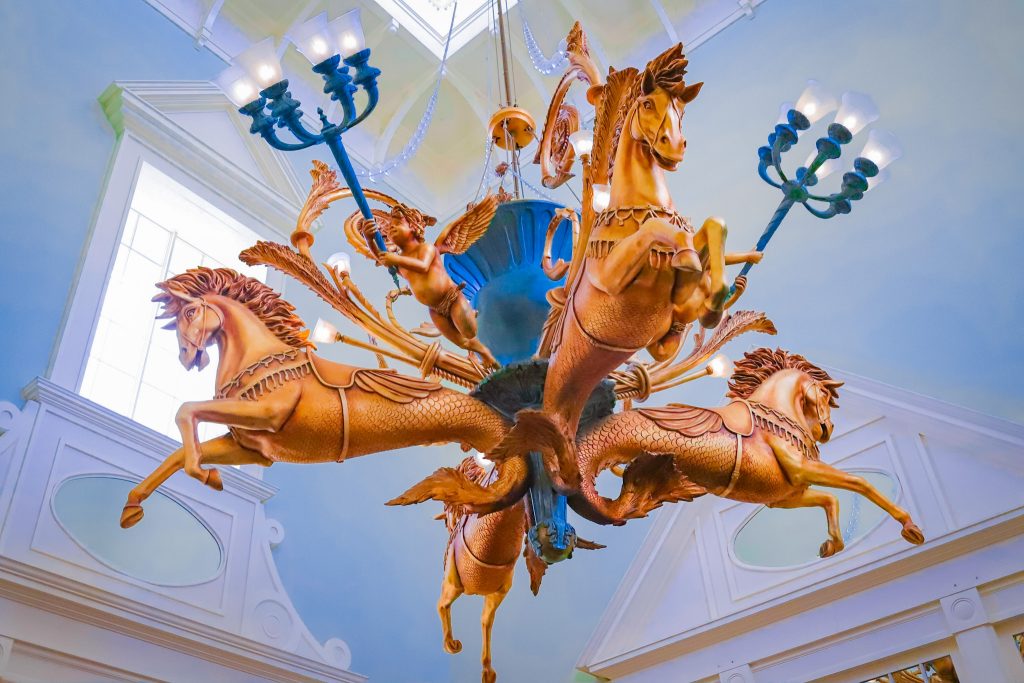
[[539, 317]]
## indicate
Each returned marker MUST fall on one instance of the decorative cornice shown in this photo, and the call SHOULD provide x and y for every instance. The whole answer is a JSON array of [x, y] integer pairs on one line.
[[132, 434], [74, 600]]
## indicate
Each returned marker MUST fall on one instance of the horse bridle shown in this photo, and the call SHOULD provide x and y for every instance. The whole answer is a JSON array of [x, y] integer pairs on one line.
[[661, 124], [202, 323]]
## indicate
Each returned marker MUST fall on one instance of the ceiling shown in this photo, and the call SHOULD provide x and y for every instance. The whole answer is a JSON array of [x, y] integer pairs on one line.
[[447, 170]]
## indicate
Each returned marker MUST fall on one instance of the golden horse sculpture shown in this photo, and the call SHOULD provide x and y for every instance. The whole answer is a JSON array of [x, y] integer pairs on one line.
[[480, 559], [419, 262], [280, 401], [640, 272], [761, 448]]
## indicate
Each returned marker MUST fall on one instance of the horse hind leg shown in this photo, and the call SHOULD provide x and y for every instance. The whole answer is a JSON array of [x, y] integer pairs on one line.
[[823, 474], [451, 589], [814, 498], [711, 239], [491, 603]]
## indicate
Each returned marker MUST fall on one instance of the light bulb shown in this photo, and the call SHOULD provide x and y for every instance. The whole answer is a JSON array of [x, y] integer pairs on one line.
[[720, 366], [324, 332], [238, 87], [882, 148], [582, 142], [313, 39], [856, 111], [340, 263], [348, 32], [815, 101], [261, 63], [602, 197]]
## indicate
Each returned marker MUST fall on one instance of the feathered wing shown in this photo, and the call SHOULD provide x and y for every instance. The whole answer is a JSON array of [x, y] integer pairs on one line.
[[464, 231], [355, 238]]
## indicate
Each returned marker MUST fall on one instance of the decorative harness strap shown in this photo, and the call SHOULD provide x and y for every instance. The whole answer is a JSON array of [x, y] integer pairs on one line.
[[782, 425], [660, 255], [243, 385]]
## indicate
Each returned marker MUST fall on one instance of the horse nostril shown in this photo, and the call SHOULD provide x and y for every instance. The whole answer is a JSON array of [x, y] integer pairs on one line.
[[684, 144]]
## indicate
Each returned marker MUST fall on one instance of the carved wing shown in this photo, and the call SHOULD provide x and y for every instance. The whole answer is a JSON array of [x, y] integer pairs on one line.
[[463, 232], [686, 420], [536, 566], [356, 239], [393, 386]]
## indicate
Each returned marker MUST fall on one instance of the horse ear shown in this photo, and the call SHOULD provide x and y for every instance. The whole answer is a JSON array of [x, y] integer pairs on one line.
[[690, 92], [647, 85]]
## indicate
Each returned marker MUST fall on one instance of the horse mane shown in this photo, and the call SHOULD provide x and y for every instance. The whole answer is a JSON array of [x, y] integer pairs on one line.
[[273, 311], [758, 365]]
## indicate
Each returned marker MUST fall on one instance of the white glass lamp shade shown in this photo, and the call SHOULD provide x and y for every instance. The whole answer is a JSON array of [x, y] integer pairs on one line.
[[582, 141], [856, 111], [720, 366], [348, 33], [340, 263], [815, 101], [314, 40], [882, 176], [882, 148], [261, 63], [237, 85], [602, 196], [784, 112], [324, 332]]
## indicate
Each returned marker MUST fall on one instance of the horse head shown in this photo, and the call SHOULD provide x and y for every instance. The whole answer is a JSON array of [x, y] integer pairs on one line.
[[200, 300], [791, 384], [656, 120]]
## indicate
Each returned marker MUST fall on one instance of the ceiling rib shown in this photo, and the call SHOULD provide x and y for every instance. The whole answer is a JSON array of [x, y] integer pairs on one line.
[[659, 9], [206, 25]]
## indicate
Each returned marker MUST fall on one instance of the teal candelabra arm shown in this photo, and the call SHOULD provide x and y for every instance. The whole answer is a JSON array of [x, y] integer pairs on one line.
[[795, 189]]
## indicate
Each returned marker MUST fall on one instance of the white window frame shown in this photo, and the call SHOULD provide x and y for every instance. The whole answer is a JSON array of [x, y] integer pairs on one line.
[[138, 112]]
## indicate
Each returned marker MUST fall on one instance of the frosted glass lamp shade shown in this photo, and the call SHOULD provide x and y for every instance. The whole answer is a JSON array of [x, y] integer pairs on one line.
[[324, 332], [856, 111], [784, 113], [882, 148], [874, 182], [340, 263], [815, 101], [261, 63], [602, 196], [237, 85], [582, 142], [720, 366], [348, 33], [314, 40]]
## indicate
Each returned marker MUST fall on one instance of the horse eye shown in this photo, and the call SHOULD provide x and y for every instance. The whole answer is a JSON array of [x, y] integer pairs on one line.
[[647, 104], [189, 313]]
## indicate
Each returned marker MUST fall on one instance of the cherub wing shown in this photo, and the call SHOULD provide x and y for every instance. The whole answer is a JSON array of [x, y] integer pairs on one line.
[[355, 238], [464, 231]]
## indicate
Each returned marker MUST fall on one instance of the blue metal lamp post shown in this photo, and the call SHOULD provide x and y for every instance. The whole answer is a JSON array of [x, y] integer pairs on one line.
[[855, 112], [333, 48]]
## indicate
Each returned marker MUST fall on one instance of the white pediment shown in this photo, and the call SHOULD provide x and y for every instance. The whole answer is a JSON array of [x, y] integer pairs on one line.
[[958, 472]]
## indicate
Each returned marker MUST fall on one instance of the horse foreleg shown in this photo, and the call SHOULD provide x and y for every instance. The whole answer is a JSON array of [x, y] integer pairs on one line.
[[451, 589], [223, 450], [814, 498], [616, 271], [267, 414], [491, 603], [823, 474], [711, 238]]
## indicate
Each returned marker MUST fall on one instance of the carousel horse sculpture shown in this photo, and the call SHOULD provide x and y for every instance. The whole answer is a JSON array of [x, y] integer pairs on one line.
[[283, 403], [636, 266], [760, 448]]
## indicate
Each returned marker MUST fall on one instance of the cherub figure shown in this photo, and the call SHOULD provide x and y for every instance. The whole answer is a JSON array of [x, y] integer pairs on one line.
[[419, 262]]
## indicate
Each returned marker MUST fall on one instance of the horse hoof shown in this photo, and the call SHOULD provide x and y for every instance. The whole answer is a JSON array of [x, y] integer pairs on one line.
[[453, 646], [213, 479], [131, 514], [912, 533], [830, 548], [686, 260]]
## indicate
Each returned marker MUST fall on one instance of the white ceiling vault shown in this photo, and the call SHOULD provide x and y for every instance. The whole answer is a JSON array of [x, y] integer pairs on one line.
[[406, 44]]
